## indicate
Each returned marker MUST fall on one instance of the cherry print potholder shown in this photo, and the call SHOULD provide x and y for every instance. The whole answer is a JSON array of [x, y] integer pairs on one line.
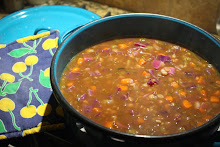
[[27, 104]]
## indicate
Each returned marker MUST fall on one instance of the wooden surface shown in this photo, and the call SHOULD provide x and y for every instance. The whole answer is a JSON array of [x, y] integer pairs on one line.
[[202, 13]]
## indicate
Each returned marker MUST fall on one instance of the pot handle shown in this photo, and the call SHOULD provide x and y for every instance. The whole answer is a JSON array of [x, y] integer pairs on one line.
[[65, 35], [62, 36]]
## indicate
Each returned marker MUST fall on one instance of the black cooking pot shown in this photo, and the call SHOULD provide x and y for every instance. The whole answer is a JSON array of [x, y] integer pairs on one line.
[[135, 25]]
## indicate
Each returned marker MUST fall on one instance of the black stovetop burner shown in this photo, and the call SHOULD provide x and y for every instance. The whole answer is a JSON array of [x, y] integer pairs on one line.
[[80, 138]]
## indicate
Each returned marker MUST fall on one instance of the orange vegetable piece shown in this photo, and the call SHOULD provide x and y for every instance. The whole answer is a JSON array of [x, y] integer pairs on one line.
[[130, 42], [174, 84], [161, 54], [93, 88], [192, 64], [127, 81], [201, 80], [217, 93], [141, 61], [80, 61], [145, 74], [182, 93], [183, 49], [109, 125], [217, 82], [169, 98], [96, 109], [199, 124], [124, 88], [202, 110], [75, 69], [122, 46], [214, 99], [187, 104], [140, 120], [203, 92], [69, 84]]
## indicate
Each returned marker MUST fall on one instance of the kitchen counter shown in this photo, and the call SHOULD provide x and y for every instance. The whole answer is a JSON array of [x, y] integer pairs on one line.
[[100, 9]]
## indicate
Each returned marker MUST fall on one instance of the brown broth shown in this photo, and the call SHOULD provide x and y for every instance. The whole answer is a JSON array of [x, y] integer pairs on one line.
[[142, 86]]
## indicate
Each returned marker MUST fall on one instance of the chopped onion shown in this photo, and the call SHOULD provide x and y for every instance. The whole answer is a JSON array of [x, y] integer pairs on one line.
[[106, 50], [82, 97], [163, 58], [151, 82], [96, 103], [188, 73], [118, 90], [73, 75], [87, 108], [208, 70], [191, 87], [157, 64], [71, 88], [171, 71], [90, 92], [139, 44], [86, 57]]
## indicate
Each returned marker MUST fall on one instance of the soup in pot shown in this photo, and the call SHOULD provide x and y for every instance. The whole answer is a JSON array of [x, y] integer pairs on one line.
[[142, 86]]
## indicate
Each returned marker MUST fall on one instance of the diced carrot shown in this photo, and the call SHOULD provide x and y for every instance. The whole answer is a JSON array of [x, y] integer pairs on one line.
[[199, 124], [174, 84], [192, 64], [141, 61], [217, 82], [80, 61], [93, 88], [214, 99], [202, 110], [217, 93], [182, 93], [145, 74], [69, 84], [122, 46], [203, 92], [124, 88], [183, 49], [130, 42], [207, 117], [127, 81], [75, 69], [109, 124], [201, 80], [169, 98], [213, 69], [187, 104], [62, 91], [105, 48], [96, 109], [140, 120], [161, 54]]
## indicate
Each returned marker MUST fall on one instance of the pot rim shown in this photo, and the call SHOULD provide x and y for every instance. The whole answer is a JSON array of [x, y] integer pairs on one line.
[[88, 122]]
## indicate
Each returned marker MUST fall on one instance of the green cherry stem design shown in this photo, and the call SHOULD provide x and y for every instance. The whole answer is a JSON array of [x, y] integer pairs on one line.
[[51, 52], [36, 95], [30, 96], [3, 85], [13, 120], [27, 76], [32, 49]]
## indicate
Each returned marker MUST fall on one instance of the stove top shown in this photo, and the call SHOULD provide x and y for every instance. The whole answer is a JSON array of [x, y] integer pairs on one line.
[[81, 138]]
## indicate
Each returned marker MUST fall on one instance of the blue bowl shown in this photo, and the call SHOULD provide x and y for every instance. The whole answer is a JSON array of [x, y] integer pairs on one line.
[[136, 25]]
